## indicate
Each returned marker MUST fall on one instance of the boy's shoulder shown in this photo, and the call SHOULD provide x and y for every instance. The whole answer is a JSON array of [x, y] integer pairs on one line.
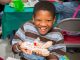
[[30, 27], [28, 23]]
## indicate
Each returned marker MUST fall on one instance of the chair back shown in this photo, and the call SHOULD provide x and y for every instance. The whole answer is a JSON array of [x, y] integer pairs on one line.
[[70, 29], [70, 26]]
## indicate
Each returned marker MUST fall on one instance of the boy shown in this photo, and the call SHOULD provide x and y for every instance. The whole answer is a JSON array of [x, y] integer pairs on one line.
[[41, 27]]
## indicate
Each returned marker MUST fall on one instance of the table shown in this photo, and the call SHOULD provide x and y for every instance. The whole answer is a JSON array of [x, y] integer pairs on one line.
[[12, 20]]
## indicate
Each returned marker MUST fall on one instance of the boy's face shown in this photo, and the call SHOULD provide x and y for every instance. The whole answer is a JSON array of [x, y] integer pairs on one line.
[[43, 21]]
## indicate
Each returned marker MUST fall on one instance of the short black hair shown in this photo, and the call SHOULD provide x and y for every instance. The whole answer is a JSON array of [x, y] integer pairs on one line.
[[44, 5]]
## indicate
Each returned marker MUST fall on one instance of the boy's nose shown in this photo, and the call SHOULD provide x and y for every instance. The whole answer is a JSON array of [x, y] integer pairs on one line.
[[43, 23]]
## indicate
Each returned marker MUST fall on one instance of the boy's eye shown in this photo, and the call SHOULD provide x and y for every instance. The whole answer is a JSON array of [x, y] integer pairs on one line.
[[38, 20], [49, 20]]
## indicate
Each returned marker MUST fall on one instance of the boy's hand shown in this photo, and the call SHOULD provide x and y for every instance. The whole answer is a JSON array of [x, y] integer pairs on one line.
[[23, 49], [26, 51]]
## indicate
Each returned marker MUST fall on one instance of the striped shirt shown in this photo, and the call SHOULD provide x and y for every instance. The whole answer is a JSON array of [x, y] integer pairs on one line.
[[28, 32]]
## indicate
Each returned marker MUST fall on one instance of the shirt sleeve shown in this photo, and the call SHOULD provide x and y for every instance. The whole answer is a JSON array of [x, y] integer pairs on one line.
[[59, 47], [19, 36]]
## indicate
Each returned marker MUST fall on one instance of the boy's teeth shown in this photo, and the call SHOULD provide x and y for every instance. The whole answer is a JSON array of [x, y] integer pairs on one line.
[[42, 28]]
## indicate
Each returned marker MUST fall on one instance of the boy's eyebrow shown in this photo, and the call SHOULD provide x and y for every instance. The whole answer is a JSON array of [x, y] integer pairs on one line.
[[47, 18]]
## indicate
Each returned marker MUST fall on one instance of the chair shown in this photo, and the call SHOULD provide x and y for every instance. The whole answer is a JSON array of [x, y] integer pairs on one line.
[[1, 58], [70, 28]]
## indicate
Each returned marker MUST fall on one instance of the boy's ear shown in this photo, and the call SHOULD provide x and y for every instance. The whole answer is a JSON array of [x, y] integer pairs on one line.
[[54, 19], [33, 19]]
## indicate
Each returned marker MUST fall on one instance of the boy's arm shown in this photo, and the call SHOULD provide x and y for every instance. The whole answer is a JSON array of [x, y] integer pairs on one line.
[[58, 50], [19, 37], [59, 47]]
